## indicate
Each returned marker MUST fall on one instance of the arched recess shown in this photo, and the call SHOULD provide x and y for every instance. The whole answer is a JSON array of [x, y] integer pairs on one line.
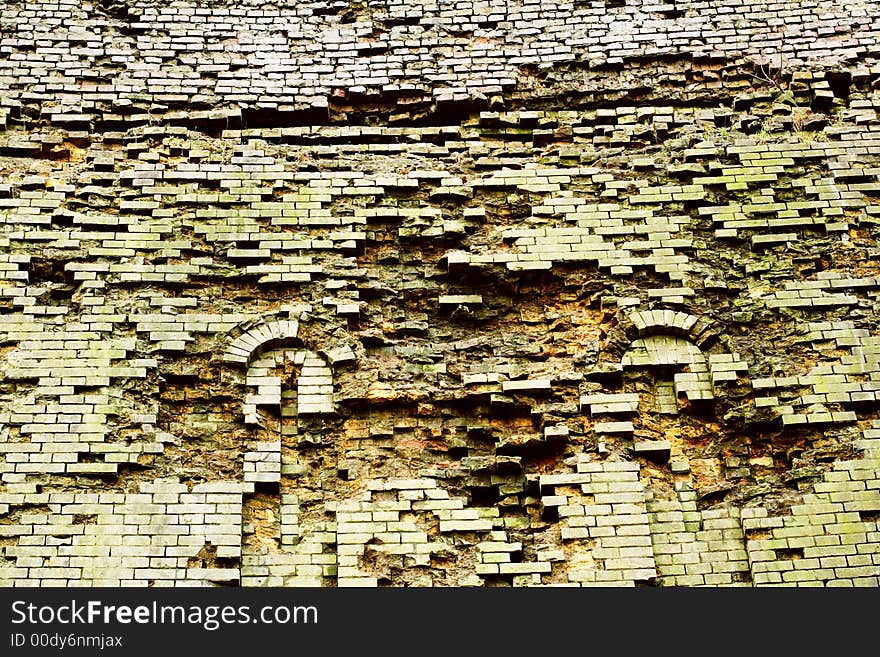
[[666, 356], [665, 360], [673, 345], [288, 537], [274, 346], [664, 368], [629, 326]]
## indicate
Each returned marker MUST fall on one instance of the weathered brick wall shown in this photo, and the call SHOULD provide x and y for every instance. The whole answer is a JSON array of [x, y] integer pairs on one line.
[[484, 294]]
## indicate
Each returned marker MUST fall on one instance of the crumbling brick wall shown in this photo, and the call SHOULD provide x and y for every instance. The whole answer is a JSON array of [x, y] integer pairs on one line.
[[396, 294]]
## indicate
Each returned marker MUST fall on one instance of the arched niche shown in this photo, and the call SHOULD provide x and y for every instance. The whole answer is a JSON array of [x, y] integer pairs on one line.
[[288, 536], [679, 368]]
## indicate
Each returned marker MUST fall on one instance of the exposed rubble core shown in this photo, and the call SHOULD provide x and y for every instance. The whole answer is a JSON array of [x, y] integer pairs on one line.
[[385, 293]]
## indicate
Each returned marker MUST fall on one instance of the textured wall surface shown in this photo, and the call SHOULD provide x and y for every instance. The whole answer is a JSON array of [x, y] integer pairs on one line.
[[376, 293]]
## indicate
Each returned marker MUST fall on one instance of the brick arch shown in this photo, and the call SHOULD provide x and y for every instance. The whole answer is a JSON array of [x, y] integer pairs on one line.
[[669, 338], [262, 337], [261, 346], [251, 339], [645, 323]]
